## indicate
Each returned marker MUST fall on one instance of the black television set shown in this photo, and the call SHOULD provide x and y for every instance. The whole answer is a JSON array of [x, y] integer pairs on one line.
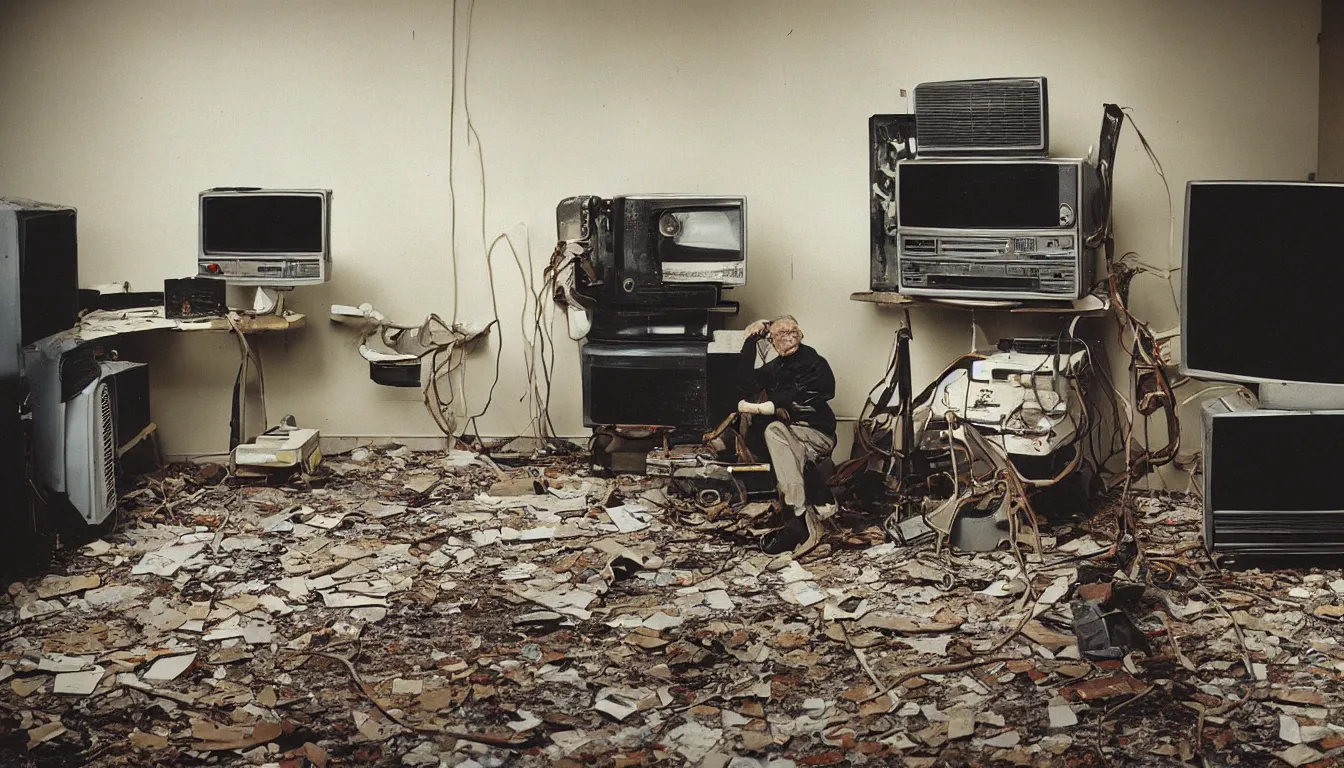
[[672, 251], [1261, 273]]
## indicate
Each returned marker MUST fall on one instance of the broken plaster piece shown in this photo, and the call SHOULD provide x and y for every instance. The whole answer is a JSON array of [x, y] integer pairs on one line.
[[78, 683], [167, 560], [169, 667]]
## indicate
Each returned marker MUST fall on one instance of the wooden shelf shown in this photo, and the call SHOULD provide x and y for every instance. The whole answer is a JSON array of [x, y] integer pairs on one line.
[[1086, 306]]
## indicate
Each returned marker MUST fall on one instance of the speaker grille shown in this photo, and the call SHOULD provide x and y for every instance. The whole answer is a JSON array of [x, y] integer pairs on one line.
[[107, 443], [1005, 116]]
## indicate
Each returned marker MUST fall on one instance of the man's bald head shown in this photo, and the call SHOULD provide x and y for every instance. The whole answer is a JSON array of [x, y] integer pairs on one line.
[[785, 335]]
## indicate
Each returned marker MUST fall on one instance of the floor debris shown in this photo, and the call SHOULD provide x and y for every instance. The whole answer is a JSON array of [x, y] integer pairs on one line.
[[408, 609]]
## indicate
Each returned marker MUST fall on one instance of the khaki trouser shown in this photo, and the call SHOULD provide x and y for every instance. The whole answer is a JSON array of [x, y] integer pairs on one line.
[[791, 446]]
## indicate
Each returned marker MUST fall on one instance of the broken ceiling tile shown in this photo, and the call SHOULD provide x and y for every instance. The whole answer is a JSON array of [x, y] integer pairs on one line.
[[1305, 696], [1290, 730], [167, 560], [24, 687], [348, 600], [630, 517], [1061, 714], [660, 621], [112, 595], [1002, 588], [719, 600], [620, 703], [1052, 594], [56, 586], [95, 548], [44, 733], [572, 602], [526, 722], [1299, 755], [693, 740], [58, 662], [929, 646], [401, 686], [369, 614], [793, 572], [803, 593], [1004, 740], [37, 609], [960, 725], [647, 642], [169, 667], [148, 741], [78, 683]]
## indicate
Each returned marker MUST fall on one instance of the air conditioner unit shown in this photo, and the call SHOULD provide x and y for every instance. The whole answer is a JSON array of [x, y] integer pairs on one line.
[[91, 452], [84, 411]]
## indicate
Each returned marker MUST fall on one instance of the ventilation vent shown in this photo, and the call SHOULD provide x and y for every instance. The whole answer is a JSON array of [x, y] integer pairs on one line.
[[983, 117], [107, 441]]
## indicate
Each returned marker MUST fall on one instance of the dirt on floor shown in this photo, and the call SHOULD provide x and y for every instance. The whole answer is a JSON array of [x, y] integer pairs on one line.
[[436, 609]]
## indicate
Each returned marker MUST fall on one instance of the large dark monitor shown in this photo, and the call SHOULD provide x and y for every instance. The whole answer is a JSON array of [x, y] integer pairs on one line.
[[39, 276], [1262, 274]]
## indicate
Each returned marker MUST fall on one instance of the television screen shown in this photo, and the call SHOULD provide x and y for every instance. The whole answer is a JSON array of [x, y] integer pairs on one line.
[[689, 239], [262, 224], [1262, 272], [973, 195], [49, 273]]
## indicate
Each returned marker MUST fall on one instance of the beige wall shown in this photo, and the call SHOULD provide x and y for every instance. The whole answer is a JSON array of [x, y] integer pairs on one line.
[[127, 109], [1331, 166]]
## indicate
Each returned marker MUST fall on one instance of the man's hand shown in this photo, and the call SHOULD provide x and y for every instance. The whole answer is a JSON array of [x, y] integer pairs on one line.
[[757, 328], [763, 409]]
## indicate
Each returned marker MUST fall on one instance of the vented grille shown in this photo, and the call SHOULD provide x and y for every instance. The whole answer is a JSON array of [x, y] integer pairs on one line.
[[1006, 116], [109, 447], [1278, 531]]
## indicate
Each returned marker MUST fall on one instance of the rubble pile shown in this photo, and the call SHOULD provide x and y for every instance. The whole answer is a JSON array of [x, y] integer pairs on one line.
[[433, 609]]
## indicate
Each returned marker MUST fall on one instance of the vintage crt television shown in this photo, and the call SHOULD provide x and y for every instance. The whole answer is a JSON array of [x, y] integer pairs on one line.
[[674, 251], [653, 268], [1001, 228], [265, 237]]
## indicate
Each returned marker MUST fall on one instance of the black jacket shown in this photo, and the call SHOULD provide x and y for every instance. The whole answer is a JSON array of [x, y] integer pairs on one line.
[[801, 383]]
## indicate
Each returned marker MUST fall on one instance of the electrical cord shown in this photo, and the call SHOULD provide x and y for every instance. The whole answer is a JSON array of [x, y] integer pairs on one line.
[[247, 356], [540, 420]]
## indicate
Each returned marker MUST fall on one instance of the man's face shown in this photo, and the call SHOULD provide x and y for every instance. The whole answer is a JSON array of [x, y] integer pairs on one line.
[[785, 336]]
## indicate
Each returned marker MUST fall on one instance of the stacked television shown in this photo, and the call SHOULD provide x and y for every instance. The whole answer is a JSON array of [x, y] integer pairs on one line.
[[1262, 267], [653, 271], [967, 203]]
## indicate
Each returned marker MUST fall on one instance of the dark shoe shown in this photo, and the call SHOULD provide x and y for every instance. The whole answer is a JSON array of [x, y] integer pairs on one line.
[[812, 524], [786, 538]]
